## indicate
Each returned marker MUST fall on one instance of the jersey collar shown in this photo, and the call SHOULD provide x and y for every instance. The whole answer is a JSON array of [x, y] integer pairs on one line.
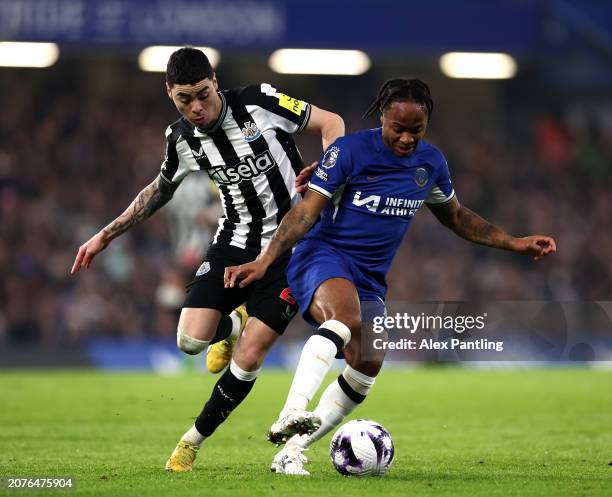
[[217, 124]]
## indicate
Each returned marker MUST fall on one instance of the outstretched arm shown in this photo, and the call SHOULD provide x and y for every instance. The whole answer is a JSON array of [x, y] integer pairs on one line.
[[469, 225], [149, 200], [291, 230]]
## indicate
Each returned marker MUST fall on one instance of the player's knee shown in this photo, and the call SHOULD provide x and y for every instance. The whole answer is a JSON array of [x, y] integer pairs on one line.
[[336, 331], [188, 344], [354, 324], [250, 358]]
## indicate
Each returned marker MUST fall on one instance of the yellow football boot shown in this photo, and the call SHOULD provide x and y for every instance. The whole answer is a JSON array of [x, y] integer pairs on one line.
[[182, 457], [220, 354]]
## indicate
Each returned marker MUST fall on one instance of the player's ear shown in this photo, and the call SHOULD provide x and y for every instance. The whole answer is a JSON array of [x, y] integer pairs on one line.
[[215, 82], [168, 90]]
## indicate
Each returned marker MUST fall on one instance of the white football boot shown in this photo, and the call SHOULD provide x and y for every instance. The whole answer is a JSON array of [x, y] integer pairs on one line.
[[295, 422], [290, 461]]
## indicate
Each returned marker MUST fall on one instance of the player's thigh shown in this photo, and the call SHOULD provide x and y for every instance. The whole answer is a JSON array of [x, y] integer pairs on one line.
[[337, 299], [254, 344], [199, 323], [207, 299]]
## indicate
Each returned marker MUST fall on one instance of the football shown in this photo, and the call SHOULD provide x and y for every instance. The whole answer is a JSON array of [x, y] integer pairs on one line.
[[362, 448]]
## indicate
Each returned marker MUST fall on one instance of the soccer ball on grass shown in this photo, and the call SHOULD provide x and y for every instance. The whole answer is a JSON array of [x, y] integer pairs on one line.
[[362, 448]]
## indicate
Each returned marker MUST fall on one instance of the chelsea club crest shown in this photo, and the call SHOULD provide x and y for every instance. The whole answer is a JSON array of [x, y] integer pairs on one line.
[[421, 177]]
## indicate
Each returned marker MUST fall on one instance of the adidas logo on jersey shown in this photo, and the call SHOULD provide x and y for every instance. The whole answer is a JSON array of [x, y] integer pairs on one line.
[[250, 167]]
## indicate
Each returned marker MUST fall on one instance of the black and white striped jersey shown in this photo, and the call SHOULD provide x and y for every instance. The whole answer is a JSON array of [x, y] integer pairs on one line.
[[250, 155]]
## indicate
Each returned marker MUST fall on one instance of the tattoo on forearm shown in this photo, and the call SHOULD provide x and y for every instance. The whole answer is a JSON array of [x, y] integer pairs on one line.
[[471, 226], [290, 231], [149, 200]]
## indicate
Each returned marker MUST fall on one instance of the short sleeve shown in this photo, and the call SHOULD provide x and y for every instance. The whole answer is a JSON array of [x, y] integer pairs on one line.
[[178, 161], [286, 113], [442, 188], [333, 170]]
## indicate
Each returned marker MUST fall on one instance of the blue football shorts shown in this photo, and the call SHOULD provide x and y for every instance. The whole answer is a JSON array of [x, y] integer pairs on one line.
[[313, 262]]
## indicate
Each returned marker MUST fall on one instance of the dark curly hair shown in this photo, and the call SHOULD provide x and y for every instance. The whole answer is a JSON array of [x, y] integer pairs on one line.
[[187, 66]]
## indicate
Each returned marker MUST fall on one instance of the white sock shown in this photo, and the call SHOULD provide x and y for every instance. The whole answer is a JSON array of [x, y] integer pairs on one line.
[[335, 405], [192, 435], [315, 361], [242, 374], [236, 324]]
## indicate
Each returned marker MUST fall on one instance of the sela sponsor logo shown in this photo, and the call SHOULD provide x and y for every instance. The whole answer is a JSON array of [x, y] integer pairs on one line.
[[250, 131], [250, 167], [391, 206], [330, 157], [319, 173]]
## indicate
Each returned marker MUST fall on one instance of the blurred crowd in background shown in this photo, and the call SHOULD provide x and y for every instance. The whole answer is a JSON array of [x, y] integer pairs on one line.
[[72, 160]]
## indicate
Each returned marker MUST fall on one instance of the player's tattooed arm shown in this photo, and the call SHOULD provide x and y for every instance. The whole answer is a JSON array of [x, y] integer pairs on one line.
[[469, 225], [150, 199], [293, 227]]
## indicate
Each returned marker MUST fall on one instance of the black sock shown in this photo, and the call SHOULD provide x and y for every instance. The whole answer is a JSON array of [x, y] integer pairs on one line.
[[224, 329], [228, 393]]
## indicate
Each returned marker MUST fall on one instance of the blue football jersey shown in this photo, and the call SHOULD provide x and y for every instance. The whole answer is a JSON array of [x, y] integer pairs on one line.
[[374, 196]]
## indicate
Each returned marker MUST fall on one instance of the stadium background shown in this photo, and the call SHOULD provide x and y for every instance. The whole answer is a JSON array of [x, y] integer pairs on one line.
[[78, 140]]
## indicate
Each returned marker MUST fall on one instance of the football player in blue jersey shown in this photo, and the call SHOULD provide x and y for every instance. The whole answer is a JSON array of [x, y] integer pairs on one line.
[[360, 202]]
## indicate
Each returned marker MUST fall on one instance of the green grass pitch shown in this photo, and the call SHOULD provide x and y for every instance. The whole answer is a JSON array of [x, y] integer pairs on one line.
[[457, 433]]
